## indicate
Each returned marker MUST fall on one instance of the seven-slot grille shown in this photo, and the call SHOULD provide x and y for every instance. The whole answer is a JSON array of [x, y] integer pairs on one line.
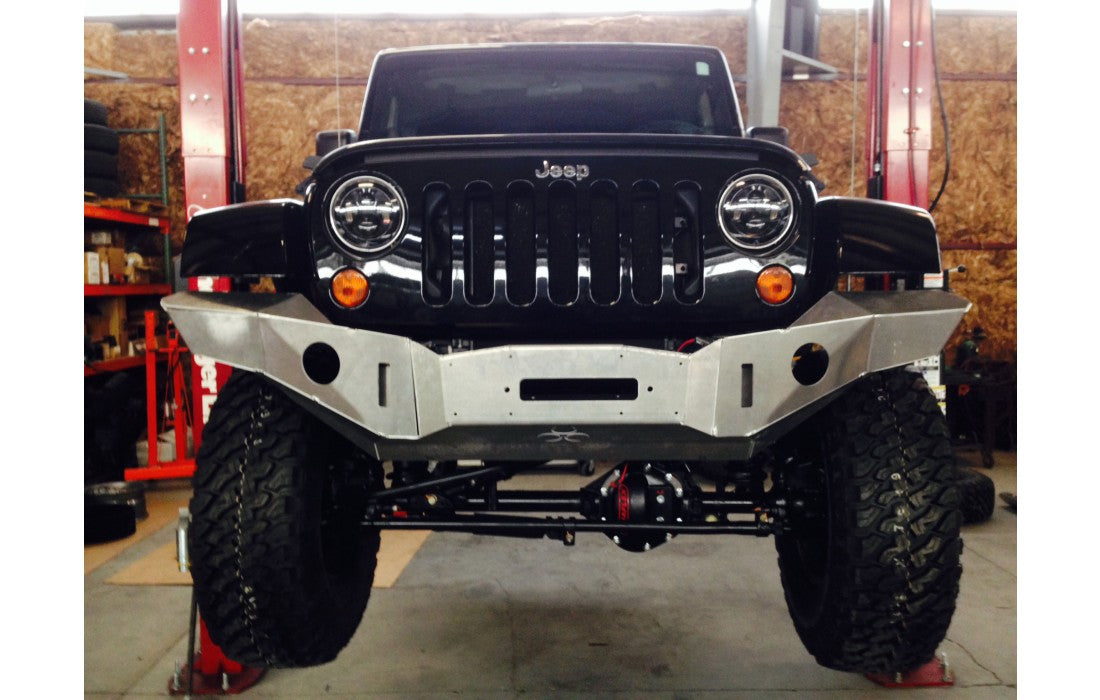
[[610, 238]]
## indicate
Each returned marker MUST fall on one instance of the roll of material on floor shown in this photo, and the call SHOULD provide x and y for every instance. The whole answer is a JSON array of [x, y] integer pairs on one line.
[[106, 522], [130, 493]]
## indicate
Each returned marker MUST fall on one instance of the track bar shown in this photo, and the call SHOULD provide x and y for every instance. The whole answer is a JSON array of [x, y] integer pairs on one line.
[[556, 528], [570, 502]]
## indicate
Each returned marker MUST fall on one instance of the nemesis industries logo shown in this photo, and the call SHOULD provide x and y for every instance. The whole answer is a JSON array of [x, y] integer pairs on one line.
[[555, 435]]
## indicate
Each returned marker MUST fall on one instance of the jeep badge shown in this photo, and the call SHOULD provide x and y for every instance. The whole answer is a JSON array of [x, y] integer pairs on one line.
[[555, 171]]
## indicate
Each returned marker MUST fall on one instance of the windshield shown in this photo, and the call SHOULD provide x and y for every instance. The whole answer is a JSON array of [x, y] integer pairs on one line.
[[550, 89]]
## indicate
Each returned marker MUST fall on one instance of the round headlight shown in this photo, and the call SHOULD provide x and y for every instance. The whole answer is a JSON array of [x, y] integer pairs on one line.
[[367, 214], [756, 211]]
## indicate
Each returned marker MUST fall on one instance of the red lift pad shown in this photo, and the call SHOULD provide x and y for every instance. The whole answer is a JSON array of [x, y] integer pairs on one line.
[[934, 674]]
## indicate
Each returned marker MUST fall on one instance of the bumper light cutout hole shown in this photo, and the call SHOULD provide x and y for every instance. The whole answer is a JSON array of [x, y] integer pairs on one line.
[[809, 364], [321, 363]]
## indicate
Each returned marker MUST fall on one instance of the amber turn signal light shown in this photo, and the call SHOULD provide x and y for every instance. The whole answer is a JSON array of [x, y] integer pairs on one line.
[[774, 284], [350, 287]]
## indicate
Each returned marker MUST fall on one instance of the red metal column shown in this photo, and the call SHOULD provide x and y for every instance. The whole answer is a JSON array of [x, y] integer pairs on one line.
[[212, 129], [900, 92], [211, 122]]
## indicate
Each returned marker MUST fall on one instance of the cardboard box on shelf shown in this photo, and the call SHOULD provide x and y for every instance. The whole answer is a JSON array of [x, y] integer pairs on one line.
[[114, 309], [107, 321], [94, 238], [92, 271], [96, 327], [115, 258]]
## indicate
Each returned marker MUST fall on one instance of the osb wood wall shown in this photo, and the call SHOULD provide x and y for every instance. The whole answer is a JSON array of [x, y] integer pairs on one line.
[[292, 68]]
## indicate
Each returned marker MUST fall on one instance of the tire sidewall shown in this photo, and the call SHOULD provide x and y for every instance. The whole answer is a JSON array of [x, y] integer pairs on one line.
[[891, 561], [258, 554]]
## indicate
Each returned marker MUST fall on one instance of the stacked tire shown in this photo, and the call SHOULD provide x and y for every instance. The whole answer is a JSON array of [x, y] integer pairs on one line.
[[978, 495], [100, 151]]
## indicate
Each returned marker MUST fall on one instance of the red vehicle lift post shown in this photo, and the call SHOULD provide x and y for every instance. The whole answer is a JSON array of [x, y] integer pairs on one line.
[[212, 131], [211, 125], [900, 89]]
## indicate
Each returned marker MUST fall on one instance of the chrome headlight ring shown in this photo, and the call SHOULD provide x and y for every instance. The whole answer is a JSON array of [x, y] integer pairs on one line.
[[756, 212], [367, 214]]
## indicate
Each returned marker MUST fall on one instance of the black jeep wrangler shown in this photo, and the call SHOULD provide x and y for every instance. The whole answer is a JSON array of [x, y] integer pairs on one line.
[[531, 254]]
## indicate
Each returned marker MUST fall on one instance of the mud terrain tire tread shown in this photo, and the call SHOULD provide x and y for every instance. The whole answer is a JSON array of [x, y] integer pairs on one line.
[[256, 539], [978, 496], [892, 571]]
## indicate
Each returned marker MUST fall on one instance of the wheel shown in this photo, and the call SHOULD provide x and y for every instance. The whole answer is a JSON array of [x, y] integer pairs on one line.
[[977, 495], [100, 164], [95, 112], [100, 138], [106, 522], [282, 569], [128, 493], [101, 186], [869, 559]]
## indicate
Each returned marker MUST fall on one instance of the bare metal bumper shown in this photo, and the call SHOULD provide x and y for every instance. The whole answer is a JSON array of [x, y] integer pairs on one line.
[[468, 404]]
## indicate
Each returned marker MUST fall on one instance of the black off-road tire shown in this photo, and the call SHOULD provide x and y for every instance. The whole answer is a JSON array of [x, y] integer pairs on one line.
[[282, 568], [101, 186], [100, 138], [978, 496], [101, 165], [870, 567], [95, 112]]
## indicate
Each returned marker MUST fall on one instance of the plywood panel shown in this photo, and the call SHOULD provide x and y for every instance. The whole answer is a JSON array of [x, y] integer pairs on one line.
[[281, 48], [837, 34], [979, 203], [144, 53], [967, 43], [282, 123], [990, 285], [820, 117]]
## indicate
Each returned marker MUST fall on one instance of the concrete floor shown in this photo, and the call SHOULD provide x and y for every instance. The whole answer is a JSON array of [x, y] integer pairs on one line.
[[503, 618]]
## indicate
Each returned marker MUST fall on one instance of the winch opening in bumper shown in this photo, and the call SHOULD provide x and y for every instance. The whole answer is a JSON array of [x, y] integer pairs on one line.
[[410, 402]]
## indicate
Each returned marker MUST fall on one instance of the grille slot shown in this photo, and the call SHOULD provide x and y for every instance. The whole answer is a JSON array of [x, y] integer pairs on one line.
[[436, 263], [479, 243], [687, 253], [519, 248], [645, 243], [561, 239], [603, 242]]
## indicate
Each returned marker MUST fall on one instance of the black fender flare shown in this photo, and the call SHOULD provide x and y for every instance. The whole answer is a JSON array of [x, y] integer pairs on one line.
[[266, 238], [871, 236]]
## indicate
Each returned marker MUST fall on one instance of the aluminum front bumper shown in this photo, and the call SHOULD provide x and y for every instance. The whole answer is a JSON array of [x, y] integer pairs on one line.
[[415, 403]]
